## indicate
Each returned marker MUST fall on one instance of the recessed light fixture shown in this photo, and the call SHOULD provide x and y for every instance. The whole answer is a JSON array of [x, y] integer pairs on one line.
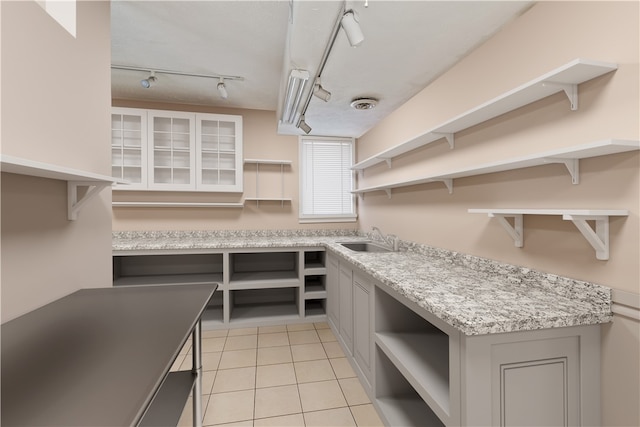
[[364, 103]]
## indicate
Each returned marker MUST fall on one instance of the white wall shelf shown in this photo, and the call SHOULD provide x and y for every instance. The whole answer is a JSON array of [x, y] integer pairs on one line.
[[75, 178], [568, 156], [565, 78], [598, 238], [258, 199], [175, 205]]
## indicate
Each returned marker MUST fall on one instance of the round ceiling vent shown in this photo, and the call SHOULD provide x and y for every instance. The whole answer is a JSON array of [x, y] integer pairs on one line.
[[364, 103]]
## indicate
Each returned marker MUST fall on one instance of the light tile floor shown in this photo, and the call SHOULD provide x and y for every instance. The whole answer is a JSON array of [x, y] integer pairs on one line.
[[293, 375]]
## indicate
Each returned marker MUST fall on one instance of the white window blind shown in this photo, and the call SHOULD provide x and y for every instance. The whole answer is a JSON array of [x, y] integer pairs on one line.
[[326, 179]]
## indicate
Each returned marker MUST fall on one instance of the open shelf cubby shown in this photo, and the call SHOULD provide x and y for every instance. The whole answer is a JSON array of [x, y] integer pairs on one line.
[[247, 305], [397, 400], [417, 349], [264, 269], [167, 269], [315, 307]]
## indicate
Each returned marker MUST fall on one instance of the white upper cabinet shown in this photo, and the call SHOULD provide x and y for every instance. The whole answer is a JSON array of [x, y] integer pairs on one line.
[[176, 151], [172, 147], [129, 147], [219, 152]]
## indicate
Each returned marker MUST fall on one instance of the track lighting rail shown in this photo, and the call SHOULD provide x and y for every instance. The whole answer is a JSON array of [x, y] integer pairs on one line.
[[346, 20], [177, 73]]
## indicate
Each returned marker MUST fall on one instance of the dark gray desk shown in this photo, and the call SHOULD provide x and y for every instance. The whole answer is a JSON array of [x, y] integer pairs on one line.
[[101, 357]]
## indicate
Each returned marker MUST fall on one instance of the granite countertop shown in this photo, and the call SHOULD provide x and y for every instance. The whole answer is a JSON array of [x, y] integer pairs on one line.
[[475, 295]]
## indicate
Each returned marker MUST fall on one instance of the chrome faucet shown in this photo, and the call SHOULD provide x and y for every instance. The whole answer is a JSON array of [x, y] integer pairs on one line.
[[395, 240]]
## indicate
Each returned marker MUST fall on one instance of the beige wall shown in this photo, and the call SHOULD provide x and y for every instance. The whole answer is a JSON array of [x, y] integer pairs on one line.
[[546, 37], [49, 116], [260, 142]]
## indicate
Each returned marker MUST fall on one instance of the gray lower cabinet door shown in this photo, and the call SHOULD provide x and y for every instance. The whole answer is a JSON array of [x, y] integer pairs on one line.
[[346, 307], [362, 304], [333, 291], [536, 383]]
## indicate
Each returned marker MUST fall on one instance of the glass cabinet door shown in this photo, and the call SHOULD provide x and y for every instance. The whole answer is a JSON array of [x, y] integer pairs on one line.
[[172, 144], [128, 147], [219, 158]]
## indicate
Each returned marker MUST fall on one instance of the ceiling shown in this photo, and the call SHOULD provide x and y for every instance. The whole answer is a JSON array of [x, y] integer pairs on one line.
[[407, 45]]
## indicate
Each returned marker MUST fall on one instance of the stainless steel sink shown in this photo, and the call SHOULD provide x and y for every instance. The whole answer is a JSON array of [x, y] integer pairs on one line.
[[365, 247]]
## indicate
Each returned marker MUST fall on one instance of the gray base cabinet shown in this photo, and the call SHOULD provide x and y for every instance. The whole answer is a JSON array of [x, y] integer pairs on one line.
[[421, 371], [257, 286]]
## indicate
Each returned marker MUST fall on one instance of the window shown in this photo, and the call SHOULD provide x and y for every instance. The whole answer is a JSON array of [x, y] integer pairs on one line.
[[326, 180]]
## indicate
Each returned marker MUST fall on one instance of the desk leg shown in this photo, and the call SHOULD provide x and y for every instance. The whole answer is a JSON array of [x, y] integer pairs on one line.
[[197, 369]]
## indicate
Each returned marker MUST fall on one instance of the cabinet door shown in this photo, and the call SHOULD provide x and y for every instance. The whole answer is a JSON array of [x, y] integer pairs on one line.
[[129, 147], [219, 160], [333, 291], [346, 307], [362, 311], [172, 146]]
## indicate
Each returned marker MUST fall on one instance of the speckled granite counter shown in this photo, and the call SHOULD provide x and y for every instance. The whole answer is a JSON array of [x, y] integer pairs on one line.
[[475, 295]]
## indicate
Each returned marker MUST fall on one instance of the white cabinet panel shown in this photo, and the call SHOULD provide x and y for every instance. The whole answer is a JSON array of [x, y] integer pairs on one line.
[[172, 147], [129, 147], [346, 307], [176, 151], [362, 322]]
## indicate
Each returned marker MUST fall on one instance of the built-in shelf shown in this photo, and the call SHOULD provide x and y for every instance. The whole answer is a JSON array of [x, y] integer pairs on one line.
[[598, 238], [423, 359], [569, 157], [566, 78], [75, 178], [282, 163], [175, 205]]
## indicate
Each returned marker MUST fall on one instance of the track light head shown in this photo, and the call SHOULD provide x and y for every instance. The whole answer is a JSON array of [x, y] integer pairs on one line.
[[352, 28], [303, 125], [149, 81], [222, 89], [321, 92]]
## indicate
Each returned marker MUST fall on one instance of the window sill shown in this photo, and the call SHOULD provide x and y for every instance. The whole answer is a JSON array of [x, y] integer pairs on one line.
[[320, 218]]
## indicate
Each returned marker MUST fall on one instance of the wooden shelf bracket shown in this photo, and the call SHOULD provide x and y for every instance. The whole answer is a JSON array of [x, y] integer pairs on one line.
[[571, 90], [572, 165], [75, 202], [516, 231], [598, 238]]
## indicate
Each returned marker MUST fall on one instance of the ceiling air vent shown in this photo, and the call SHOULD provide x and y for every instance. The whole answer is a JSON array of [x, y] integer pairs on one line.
[[364, 103]]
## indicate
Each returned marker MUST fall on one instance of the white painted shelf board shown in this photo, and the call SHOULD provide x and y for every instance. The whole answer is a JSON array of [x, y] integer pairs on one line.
[[175, 205], [423, 359], [598, 238], [267, 162], [168, 279], [267, 199], [592, 149], [264, 279], [407, 411], [313, 294], [317, 270], [581, 212], [75, 178], [22, 166], [562, 78], [253, 312]]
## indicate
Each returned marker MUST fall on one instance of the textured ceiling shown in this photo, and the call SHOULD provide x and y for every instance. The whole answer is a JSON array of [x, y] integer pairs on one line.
[[406, 46]]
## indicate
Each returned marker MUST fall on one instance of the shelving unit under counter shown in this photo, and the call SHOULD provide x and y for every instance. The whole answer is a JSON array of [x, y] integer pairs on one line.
[[417, 360]]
